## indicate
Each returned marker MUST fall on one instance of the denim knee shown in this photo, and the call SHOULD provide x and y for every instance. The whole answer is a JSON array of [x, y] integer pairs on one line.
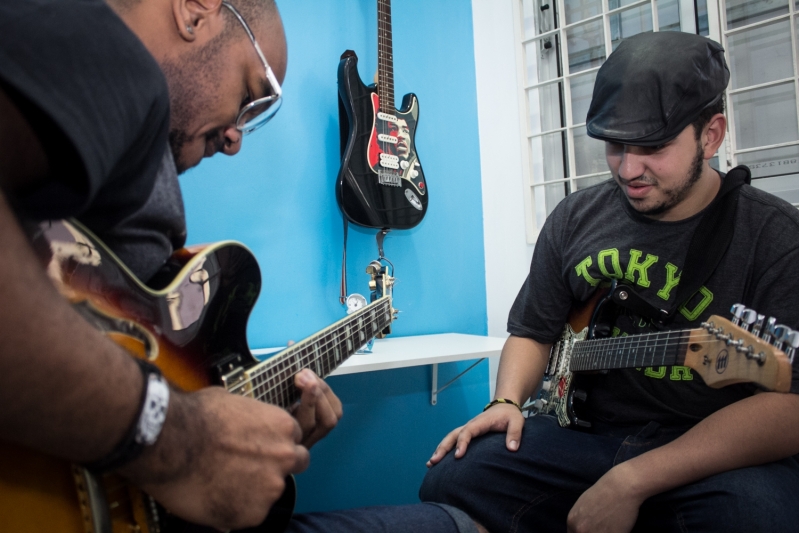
[[759, 498]]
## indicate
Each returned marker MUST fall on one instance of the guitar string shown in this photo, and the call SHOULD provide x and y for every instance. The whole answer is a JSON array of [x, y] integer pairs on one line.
[[279, 387], [380, 311], [583, 353], [651, 340], [330, 339], [283, 385]]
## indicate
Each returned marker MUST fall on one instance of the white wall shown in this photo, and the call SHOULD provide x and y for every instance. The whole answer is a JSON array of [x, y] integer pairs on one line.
[[507, 254]]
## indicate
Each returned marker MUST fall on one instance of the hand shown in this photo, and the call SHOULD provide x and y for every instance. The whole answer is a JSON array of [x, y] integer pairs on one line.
[[319, 409], [610, 506], [501, 417], [221, 459]]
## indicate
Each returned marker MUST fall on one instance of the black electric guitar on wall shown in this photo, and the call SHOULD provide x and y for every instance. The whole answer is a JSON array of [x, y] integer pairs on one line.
[[381, 183], [194, 331], [746, 349]]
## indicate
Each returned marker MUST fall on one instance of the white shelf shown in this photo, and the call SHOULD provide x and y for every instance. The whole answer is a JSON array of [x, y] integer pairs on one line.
[[401, 352], [418, 350]]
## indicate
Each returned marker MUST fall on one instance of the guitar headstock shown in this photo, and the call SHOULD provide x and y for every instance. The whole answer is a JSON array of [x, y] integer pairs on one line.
[[381, 284], [747, 348]]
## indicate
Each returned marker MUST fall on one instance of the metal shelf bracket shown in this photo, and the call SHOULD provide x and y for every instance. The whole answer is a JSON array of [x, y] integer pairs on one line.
[[436, 390]]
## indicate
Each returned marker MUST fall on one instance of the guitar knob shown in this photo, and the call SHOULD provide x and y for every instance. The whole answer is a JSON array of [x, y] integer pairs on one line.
[[404, 164], [416, 164], [415, 173], [580, 395], [737, 310]]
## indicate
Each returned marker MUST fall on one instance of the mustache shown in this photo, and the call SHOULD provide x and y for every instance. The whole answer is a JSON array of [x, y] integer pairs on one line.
[[643, 179]]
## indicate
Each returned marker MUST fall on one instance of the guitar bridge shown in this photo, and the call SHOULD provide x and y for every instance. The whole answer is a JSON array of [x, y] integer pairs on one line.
[[389, 178]]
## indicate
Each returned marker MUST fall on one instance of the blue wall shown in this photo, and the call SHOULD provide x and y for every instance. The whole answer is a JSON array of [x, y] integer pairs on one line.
[[277, 196]]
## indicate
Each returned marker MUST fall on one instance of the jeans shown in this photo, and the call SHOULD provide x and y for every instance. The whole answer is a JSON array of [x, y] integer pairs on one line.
[[419, 518], [534, 488]]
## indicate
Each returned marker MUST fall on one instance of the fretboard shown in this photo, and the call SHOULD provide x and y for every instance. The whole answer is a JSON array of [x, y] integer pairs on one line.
[[664, 348], [273, 380], [385, 57]]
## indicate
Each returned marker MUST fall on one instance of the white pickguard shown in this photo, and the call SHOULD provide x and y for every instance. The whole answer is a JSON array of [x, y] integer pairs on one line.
[[557, 383]]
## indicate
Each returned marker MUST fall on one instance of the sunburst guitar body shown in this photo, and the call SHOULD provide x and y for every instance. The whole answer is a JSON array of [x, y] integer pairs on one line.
[[194, 330]]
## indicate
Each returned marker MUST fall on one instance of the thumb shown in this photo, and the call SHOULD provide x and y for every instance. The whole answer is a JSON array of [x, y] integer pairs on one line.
[[514, 434]]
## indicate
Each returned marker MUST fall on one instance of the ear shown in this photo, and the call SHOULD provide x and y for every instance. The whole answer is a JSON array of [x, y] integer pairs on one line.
[[713, 135], [194, 16]]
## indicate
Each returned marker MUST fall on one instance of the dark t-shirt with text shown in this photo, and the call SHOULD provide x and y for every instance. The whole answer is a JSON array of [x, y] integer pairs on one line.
[[594, 236]]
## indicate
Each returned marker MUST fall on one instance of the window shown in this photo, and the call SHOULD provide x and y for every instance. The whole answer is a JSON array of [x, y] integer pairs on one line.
[[564, 42], [761, 45]]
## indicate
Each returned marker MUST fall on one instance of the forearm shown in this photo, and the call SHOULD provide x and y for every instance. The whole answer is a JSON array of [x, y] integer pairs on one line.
[[521, 368], [750, 432], [64, 389]]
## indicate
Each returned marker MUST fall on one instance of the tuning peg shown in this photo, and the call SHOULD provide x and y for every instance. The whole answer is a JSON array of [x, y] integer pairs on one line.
[[758, 327], [768, 330], [780, 335], [748, 317], [737, 310], [791, 344]]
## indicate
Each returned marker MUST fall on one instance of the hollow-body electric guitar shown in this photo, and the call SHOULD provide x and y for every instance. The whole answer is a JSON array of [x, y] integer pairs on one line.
[[381, 183], [194, 330], [747, 348]]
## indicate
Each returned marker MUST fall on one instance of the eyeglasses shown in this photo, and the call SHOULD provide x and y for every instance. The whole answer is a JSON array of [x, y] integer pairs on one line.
[[258, 112]]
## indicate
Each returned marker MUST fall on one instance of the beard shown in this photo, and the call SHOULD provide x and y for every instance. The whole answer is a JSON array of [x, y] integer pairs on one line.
[[677, 194], [189, 78]]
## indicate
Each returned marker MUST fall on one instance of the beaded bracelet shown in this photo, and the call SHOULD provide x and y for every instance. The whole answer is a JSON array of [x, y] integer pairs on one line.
[[502, 400]]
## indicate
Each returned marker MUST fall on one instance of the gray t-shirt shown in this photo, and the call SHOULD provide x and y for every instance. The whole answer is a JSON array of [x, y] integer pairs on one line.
[[594, 235], [145, 239]]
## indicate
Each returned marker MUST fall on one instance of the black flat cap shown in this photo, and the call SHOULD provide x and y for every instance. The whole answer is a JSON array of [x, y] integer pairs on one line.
[[654, 85]]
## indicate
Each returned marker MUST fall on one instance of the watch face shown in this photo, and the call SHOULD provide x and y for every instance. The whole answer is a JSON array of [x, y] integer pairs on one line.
[[154, 410], [355, 302]]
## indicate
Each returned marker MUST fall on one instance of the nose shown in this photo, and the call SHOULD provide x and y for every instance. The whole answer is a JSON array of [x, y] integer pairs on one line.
[[632, 164], [233, 139]]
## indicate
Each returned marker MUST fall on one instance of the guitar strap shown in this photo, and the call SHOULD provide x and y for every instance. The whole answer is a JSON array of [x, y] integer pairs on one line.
[[709, 243]]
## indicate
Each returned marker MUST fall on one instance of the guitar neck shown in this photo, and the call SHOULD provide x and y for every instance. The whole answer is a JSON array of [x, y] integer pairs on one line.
[[273, 380], [385, 57], [666, 348]]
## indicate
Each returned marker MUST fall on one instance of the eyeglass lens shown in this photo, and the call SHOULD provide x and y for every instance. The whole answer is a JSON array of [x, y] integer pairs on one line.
[[258, 113]]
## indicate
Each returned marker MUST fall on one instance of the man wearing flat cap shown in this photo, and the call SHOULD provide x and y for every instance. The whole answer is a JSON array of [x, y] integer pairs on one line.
[[654, 448]]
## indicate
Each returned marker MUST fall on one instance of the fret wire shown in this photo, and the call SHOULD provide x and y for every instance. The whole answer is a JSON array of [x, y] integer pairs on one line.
[[287, 397], [277, 358], [288, 392], [596, 353]]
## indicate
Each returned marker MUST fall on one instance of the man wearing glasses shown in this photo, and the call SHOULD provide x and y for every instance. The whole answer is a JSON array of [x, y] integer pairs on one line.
[[85, 94], [100, 109]]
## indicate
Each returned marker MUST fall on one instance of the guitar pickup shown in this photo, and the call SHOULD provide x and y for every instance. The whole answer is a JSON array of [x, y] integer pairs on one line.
[[387, 117], [387, 138], [389, 161]]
